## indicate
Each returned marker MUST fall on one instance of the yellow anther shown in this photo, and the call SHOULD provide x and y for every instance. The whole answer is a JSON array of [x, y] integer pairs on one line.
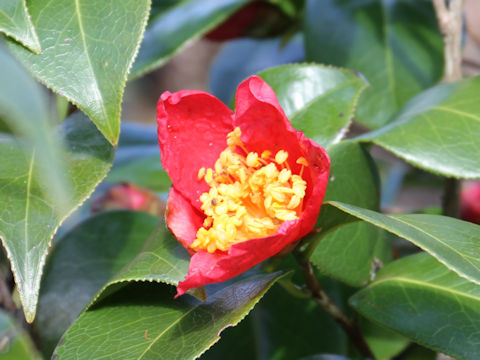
[[209, 176], [233, 138], [285, 215], [284, 175], [252, 159], [294, 202], [221, 209], [266, 154], [281, 157], [271, 171], [207, 222], [302, 161], [246, 200], [201, 173]]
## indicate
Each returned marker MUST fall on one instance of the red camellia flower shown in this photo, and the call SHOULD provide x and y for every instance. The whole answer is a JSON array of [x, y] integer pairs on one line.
[[246, 185], [470, 203]]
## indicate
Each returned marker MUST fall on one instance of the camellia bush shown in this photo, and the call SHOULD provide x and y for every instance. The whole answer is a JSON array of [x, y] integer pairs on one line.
[[251, 226]]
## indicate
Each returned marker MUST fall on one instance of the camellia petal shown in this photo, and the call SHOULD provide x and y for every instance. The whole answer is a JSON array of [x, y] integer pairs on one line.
[[192, 130], [262, 127]]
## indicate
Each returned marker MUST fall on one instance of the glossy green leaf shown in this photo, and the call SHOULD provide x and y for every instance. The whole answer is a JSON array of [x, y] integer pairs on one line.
[[453, 242], [88, 48], [112, 247], [25, 113], [423, 300], [353, 179], [319, 100], [282, 327], [15, 343], [143, 321], [352, 253], [147, 172], [15, 22], [439, 130], [172, 27], [29, 218], [395, 44]]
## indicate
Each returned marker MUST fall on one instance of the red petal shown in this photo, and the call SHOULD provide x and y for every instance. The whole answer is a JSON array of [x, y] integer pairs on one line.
[[182, 219], [263, 122], [192, 132], [206, 268]]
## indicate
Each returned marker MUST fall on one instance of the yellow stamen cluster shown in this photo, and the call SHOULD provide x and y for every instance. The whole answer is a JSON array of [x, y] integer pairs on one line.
[[250, 195]]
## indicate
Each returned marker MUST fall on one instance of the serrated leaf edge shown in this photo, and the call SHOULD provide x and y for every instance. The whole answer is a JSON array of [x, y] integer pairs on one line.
[[30, 317]]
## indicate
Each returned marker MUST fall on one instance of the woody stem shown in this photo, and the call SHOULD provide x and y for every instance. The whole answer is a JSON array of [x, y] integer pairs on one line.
[[327, 304], [450, 22]]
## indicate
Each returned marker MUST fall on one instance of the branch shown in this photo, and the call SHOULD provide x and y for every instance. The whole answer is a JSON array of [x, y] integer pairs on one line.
[[450, 22], [323, 300]]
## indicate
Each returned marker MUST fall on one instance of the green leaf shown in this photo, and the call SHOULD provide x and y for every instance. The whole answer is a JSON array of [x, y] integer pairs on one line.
[[453, 242], [319, 100], [352, 253], [384, 343], [172, 27], [438, 130], [25, 113], [282, 327], [16, 344], [395, 44], [147, 172], [112, 247], [15, 22], [29, 218], [88, 49], [423, 300], [354, 180], [143, 321]]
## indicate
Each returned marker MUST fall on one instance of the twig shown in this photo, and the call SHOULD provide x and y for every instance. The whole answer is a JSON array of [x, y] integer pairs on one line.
[[450, 22], [323, 300]]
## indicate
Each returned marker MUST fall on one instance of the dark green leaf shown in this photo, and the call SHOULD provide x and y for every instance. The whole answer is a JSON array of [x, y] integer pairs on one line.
[[173, 26], [423, 300], [146, 172], [319, 100], [113, 247], [439, 130], [29, 217], [395, 44], [352, 253], [453, 242], [353, 179], [143, 321], [88, 48], [15, 22], [15, 344]]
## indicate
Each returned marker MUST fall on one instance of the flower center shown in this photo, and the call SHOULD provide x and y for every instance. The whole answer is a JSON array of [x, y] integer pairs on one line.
[[250, 195]]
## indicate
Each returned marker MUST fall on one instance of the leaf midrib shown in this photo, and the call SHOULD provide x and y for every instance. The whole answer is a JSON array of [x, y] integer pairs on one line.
[[424, 284], [84, 43]]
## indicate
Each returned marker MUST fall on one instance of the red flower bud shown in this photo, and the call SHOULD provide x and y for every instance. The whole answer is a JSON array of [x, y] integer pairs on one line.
[[246, 185], [470, 203], [131, 197]]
